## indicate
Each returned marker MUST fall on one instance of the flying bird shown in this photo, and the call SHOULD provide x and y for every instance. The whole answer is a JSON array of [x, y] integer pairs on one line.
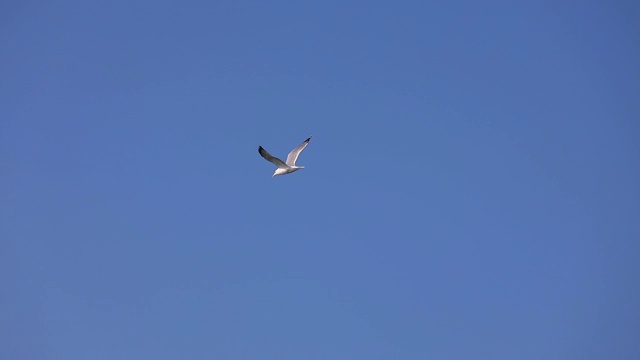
[[289, 166]]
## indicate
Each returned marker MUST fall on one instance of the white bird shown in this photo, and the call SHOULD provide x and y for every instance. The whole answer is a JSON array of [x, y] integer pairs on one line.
[[290, 165]]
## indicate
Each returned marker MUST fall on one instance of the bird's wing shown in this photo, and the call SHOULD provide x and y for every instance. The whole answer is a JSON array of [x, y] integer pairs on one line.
[[279, 163], [293, 155]]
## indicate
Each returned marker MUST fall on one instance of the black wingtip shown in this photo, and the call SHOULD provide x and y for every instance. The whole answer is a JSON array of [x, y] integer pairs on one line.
[[259, 149]]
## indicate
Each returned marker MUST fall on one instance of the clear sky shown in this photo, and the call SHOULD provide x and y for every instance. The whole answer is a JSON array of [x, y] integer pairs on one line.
[[471, 191]]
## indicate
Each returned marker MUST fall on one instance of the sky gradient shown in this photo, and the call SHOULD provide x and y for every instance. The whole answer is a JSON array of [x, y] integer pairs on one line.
[[471, 190]]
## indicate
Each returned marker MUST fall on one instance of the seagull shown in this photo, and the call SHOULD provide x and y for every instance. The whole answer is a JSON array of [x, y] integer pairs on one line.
[[290, 165]]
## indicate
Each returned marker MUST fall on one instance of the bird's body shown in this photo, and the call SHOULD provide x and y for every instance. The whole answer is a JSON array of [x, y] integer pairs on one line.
[[288, 170], [285, 167]]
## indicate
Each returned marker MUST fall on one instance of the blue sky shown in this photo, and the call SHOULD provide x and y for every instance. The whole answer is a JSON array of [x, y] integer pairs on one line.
[[471, 189]]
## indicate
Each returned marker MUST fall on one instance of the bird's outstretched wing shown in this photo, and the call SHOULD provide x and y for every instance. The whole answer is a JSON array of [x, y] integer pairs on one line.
[[293, 155], [279, 163]]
